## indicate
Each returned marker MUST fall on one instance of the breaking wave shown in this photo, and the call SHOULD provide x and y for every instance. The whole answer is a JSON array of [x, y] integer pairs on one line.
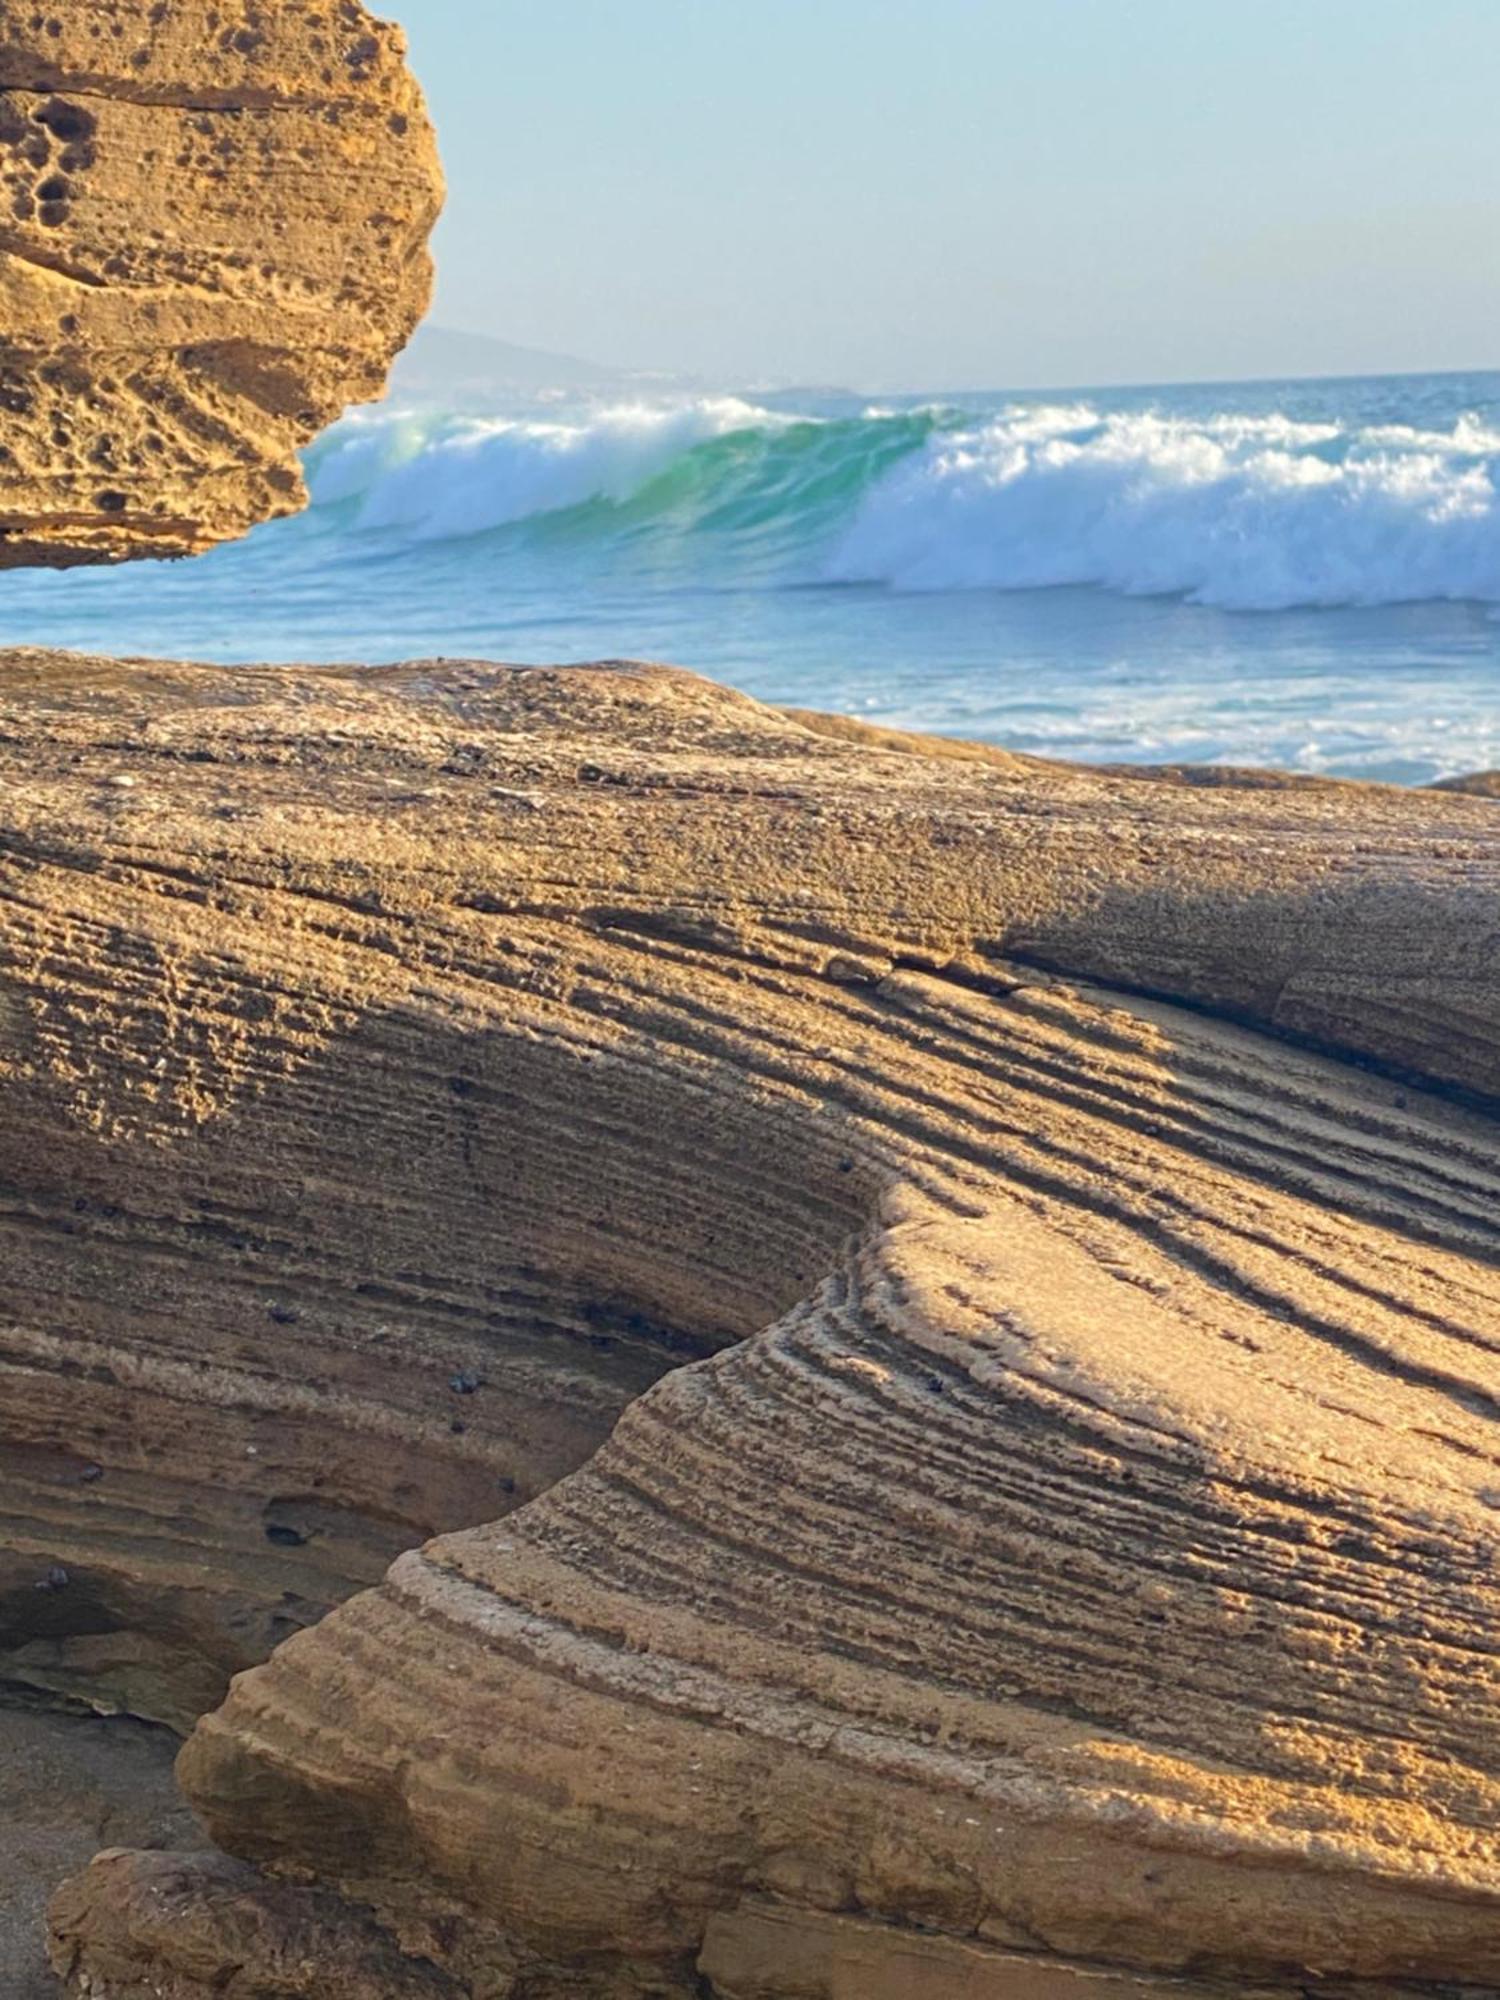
[[1250, 512]]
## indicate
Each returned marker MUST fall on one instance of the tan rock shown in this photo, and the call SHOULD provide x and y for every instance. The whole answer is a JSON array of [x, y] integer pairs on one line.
[[999, 1461], [194, 1927], [213, 226]]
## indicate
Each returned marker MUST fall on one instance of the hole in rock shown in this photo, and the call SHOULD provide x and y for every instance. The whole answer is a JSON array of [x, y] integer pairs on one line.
[[66, 121], [379, 1288]]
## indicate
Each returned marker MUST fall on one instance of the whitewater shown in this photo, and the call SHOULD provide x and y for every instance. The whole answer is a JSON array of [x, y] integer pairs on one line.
[[1305, 574]]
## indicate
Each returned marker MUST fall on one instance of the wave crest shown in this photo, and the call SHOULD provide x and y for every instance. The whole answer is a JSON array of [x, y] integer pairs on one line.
[[448, 477], [1262, 511]]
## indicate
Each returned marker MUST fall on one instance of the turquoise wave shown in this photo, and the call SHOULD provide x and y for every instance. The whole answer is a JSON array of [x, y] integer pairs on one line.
[[1249, 510], [710, 471]]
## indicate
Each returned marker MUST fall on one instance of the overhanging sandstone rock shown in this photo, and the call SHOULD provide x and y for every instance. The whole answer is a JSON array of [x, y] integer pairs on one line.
[[933, 1440], [213, 227]]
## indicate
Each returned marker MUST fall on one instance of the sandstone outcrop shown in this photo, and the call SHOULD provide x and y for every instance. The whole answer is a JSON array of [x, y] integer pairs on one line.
[[942, 1312], [213, 228]]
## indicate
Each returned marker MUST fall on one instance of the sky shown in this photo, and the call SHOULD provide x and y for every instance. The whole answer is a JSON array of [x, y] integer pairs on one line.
[[939, 194]]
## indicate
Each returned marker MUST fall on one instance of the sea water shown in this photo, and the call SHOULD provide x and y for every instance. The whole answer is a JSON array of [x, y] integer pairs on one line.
[[1304, 574]]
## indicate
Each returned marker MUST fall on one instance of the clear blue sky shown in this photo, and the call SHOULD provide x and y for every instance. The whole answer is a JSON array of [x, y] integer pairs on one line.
[[948, 193]]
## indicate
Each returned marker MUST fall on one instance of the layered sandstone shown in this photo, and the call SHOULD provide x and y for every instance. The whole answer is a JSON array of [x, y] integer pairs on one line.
[[213, 228], [942, 1311]]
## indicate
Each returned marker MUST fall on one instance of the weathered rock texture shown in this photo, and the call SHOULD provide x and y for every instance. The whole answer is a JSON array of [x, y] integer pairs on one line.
[[213, 227], [960, 1477]]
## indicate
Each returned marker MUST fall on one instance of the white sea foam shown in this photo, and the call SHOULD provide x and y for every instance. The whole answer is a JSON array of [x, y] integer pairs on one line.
[[1253, 512]]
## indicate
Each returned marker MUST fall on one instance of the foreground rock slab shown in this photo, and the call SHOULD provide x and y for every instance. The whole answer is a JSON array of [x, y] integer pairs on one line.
[[213, 229], [941, 1311]]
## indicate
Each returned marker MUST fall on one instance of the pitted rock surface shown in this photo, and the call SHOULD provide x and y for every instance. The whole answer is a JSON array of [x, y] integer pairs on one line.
[[213, 227], [942, 1312]]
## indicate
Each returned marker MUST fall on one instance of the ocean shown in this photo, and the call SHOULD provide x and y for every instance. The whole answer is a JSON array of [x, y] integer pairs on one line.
[[1303, 574]]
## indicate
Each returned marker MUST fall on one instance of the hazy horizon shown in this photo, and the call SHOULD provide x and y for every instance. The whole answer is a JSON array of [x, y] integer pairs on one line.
[[604, 367], [1022, 196]]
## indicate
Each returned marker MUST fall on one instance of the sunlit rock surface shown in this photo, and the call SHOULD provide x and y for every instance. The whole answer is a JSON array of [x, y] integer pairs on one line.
[[942, 1311], [213, 228]]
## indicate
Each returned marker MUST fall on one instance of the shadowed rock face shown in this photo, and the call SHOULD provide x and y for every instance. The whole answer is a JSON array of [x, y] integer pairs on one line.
[[952, 1476], [213, 227]]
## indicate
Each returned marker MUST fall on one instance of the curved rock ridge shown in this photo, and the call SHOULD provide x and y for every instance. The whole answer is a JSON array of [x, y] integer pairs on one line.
[[953, 1473], [213, 228], [1478, 784]]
